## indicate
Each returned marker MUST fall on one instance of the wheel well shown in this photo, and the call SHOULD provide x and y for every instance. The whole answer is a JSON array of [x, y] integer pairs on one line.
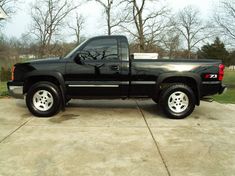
[[184, 80], [34, 79]]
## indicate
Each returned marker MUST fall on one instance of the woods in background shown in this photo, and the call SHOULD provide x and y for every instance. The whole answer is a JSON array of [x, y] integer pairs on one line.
[[150, 26]]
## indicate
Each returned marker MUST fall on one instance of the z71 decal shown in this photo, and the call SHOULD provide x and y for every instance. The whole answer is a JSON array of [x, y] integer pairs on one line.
[[211, 76]]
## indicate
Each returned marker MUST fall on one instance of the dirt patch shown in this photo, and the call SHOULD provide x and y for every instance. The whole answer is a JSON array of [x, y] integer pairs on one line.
[[63, 118], [196, 117], [212, 118], [5, 97]]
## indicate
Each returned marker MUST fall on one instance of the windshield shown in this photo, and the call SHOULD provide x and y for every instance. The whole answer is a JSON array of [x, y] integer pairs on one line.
[[74, 50]]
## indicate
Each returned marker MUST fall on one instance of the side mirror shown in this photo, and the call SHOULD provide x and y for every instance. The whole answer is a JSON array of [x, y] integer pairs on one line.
[[78, 59]]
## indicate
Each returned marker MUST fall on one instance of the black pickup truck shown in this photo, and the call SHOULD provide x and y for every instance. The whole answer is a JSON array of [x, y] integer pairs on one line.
[[102, 68]]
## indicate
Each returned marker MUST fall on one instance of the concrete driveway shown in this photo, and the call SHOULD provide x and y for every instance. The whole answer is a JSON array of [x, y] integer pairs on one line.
[[116, 137]]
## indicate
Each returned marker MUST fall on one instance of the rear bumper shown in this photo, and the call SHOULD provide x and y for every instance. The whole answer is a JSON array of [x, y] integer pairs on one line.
[[223, 89], [15, 89], [212, 88]]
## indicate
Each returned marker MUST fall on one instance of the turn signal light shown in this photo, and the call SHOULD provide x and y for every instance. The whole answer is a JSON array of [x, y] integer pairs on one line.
[[12, 73]]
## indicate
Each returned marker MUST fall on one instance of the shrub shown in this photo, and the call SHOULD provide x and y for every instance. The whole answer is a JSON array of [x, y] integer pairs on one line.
[[5, 74]]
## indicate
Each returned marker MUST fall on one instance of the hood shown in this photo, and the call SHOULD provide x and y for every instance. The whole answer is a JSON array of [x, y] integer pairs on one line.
[[46, 60]]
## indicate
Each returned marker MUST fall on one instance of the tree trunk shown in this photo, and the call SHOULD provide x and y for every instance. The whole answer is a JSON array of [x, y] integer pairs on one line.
[[141, 31], [109, 20], [189, 49]]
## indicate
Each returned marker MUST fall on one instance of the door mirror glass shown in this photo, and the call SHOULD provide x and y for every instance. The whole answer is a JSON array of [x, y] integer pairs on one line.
[[78, 59]]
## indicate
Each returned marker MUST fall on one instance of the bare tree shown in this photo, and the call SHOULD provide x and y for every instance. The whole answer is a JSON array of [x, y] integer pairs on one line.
[[191, 27], [225, 17], [8, 6], [171, 42], [149, 25], [77, 27], [48, 17], [113, 20], [107, 7]]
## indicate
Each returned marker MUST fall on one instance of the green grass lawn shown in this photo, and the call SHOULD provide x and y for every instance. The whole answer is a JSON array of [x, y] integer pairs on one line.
[[229, 96], [3, 89]]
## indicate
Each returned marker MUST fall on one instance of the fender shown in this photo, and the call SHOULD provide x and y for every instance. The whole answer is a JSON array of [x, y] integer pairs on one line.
[[57, 75], [190, 75]]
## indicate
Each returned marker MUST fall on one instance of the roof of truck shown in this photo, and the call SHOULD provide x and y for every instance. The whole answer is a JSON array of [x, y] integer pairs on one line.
[[108, 36]]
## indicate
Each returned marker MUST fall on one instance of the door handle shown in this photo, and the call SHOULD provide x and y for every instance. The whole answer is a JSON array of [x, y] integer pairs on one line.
[[115, 67]]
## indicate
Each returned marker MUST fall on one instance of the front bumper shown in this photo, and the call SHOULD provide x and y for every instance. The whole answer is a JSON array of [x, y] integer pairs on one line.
[[15, 89]]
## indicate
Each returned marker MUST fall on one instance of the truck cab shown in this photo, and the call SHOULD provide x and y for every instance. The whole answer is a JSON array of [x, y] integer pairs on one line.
[[99, 67]]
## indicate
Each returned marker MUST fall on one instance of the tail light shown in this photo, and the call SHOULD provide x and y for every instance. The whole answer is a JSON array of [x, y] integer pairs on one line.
[[221, 72], [12, 73]]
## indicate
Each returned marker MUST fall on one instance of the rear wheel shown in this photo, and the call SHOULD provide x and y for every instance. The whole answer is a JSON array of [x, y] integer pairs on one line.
[[43, 99], [177, 101]]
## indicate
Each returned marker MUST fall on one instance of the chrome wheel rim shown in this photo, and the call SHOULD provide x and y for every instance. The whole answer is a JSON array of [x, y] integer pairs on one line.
[[43, 100], [178, 102]]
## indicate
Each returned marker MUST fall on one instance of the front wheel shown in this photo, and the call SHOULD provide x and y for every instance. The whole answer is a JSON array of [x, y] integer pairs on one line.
[[177, 101], [43, 99]]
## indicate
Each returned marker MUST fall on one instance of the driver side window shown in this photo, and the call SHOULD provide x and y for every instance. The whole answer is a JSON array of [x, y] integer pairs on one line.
[[101, 49]]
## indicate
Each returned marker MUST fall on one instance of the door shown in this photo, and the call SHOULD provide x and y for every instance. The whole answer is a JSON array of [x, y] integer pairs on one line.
[[95, 70]]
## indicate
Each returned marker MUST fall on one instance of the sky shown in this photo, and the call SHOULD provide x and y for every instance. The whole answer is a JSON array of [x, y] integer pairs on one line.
[[20, 22]]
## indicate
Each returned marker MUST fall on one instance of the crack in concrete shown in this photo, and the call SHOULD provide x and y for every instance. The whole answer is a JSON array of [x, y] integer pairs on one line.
[[23, 124], [155, 142]]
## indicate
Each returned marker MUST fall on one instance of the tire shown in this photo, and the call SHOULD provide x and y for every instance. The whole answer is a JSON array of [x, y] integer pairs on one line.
[[177, 101], [44, 99]]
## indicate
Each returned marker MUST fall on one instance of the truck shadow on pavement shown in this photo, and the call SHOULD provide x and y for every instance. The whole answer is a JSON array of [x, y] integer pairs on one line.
[[149, 108], [63, 117], [154, 110], [145, 108], [101, 104]]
